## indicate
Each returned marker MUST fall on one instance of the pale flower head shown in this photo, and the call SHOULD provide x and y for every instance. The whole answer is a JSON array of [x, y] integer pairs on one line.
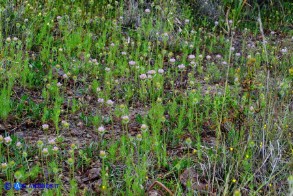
[[8, 140], [100, 100], [45, 127], [131, 62], [160, 71], [172, 60], [110, 102], [181, 66], [143, 76], [191, 56]]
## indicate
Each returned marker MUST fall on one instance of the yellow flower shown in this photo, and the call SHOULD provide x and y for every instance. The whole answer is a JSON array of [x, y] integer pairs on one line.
[[234, 180], [291, 71], [231, 149]]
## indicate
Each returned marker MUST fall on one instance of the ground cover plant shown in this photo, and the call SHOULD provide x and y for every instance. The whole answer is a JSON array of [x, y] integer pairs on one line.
[[146, 97]]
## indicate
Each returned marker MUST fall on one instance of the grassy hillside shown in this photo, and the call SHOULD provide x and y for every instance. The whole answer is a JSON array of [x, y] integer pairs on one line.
[[107, 97]]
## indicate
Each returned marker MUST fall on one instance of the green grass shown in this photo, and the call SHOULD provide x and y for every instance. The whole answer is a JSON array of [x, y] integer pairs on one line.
[[105, 98]]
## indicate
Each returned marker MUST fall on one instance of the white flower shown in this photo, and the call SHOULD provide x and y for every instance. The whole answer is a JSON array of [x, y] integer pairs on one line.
[[172, 60], [186, 21], [55, 149], [181, 66], [125, 119], [230, 21], [59, 84], [98, 89], [100, 100], [224, 63], [123, 53], [238, 54], [15, 38], [160, 71], [218, 56], [112, 44], [151, 72], [8, 39], [132, 63], [59, 18], [208, 57], [284, 50], [51, 141], [107, 69], [147, 11], [64, 76], [45, 151], [143, 76], [101, 129], [232, 48], [18, 144], [110, 102], [216, 23], [45, 126], [144, 127], [8, 140], [191, 56]]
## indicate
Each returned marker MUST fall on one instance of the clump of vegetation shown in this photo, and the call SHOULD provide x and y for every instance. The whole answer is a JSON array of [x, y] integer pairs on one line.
[[133, 98]]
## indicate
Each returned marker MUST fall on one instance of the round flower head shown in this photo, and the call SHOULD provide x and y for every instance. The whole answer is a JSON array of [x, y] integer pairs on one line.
[[102, 154], [172, 60], [8, 140], [230, 21], [224, 63], [181, 66], [101, 130], [218, 56], [125, 119], [188, 142], [238, 54], [45, 151], [123, 53], [40, 143], [216, 23], [100, 100], [8, 39], [4, 166], [208, 57], [55, 149], [107, 69], [59, 84], [59, 18], [232, 48], [45, 127], [191, 56], [147, 11], [110, 102], [65, 124], [51, 141], [15, 38], [144, 127], [143, 76], [186, 21], [284, 50], [70, 161], [132, 63], [160, 71], [139, 137], [64, 76], [18, 145], [151, 72]]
